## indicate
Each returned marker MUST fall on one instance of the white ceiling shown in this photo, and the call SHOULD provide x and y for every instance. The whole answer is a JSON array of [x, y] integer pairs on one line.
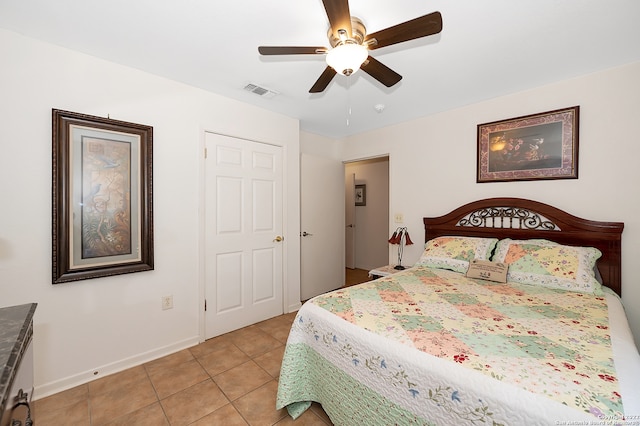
[[486, 49]]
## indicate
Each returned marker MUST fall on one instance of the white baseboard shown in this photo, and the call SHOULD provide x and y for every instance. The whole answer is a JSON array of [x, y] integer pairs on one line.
[[47, 389], [293, 308]]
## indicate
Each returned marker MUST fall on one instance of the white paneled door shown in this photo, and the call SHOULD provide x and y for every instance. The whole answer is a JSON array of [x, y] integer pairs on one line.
[[322, 224], [350, 220], [244, 239]]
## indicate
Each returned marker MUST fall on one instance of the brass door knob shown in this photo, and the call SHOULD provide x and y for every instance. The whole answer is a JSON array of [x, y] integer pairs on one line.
[[278, 239]]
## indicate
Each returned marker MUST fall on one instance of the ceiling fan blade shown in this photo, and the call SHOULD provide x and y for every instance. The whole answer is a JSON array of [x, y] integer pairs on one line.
[[339, 16], [292, 50], [323, 81], [380, 72], [420, 27]]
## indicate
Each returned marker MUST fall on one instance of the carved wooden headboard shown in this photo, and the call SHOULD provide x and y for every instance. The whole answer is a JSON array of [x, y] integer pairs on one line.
[[518, 218]]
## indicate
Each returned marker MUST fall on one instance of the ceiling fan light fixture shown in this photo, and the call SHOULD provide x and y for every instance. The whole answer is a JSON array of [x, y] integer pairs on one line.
[[351, 44], [346, 58]]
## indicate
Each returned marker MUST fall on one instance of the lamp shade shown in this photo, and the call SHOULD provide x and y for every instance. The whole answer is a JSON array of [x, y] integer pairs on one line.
[[401, 238], [347, 58]]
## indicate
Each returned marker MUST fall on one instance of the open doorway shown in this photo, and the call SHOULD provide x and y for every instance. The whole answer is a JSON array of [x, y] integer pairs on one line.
[[367, 216]]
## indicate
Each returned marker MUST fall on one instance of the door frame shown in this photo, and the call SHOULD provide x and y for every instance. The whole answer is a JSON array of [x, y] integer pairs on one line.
[[373, 157], [291, 228]]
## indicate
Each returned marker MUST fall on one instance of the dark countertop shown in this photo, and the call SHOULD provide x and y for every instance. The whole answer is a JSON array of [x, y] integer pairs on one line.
[[16, 330]]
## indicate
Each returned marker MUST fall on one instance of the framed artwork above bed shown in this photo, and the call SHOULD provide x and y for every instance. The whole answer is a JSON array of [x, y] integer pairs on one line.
[[531, 147]]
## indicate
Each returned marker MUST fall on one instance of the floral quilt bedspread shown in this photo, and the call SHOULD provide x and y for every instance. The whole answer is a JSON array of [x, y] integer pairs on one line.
[[523, 353]]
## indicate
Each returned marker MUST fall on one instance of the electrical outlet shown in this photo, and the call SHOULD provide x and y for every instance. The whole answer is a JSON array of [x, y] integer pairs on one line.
[[399, 218], [167, 302]]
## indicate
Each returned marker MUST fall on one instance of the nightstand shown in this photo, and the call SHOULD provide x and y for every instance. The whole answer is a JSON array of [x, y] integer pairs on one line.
[[383, 271]]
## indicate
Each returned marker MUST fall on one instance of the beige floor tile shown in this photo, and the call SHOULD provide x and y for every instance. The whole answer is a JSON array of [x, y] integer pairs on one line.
[[278, 328], [117, 380], [177, 378], [290, 316], [121, 401], [178, 389], [265, 323], [221, 360], [76, 414], [253, 341], [271, 361], [160, 364], [194, 403], [319, 411], [151, 415], [273, 324], [61, 399], [227, 416], [259, 406], [214, 344], [241, 380]]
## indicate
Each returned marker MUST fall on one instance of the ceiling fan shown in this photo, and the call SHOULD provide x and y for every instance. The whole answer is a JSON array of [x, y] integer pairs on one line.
[[350, 44]]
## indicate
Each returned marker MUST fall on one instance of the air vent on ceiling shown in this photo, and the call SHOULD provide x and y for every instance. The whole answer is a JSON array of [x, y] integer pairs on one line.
[[260, 91]]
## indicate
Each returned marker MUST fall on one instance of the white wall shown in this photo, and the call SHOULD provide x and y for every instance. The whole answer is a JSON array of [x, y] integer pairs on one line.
[[320, 146], [108, 324], [371, 236], [433, 161]]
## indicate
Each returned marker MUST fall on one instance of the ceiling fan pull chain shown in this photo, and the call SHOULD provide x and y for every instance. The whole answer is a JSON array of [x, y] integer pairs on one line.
[[349, 83]]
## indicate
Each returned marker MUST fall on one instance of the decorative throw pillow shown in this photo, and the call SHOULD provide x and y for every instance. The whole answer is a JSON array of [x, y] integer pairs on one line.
[[549, 264], [455, 253], [487, 270]]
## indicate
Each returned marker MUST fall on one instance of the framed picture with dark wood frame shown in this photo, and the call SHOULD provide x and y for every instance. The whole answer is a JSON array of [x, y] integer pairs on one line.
[[102, 197], [361, 195], [531, 147]]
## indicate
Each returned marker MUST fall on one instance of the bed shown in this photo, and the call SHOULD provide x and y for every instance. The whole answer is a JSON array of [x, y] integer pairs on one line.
[[431, 345]]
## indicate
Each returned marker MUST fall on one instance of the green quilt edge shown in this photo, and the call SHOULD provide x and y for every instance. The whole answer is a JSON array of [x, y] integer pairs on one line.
[[344, 399]]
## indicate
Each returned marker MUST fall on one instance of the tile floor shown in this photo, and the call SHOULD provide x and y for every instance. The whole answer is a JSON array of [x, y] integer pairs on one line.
[[228, 380]]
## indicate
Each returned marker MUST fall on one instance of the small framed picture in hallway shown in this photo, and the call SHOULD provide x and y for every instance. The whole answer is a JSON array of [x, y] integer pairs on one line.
[[361, 195]]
